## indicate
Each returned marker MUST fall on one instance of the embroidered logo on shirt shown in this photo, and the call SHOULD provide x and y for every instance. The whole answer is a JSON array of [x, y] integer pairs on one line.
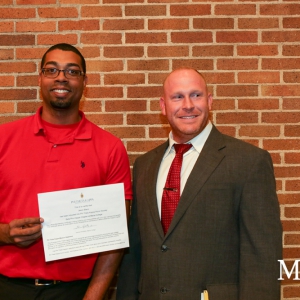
[[82, 164]]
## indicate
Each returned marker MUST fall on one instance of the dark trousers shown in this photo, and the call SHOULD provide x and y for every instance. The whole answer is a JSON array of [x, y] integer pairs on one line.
[[14, 289]]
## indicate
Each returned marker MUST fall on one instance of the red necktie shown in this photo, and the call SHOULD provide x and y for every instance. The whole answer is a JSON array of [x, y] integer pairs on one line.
[[171, 192]]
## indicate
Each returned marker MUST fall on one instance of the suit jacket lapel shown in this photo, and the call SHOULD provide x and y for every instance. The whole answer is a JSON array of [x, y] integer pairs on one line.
[[209, 158], [151, 185]]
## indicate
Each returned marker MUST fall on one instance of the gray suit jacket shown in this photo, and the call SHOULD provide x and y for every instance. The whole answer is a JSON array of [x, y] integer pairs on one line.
[[225, 236]]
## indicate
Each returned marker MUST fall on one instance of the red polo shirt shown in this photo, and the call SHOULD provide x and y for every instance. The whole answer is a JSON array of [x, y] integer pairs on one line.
[[34, 159]]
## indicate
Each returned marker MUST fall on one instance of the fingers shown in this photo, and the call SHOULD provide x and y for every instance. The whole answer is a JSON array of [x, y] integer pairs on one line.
[[24, 232]]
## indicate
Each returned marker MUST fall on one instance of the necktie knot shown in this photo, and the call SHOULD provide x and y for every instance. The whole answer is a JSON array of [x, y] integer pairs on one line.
[[182, 148]]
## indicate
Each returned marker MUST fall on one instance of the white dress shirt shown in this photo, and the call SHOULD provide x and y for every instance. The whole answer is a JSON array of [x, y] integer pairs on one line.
[[189, 160]]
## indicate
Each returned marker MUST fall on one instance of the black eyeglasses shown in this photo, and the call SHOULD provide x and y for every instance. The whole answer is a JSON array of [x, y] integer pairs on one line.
[[69, 73]]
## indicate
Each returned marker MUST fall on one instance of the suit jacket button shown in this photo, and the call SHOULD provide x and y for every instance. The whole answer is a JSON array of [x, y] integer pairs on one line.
[[163, 290], [164, 248]]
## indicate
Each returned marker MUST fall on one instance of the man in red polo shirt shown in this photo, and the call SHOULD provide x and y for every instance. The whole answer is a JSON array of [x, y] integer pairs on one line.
[[55, 149]]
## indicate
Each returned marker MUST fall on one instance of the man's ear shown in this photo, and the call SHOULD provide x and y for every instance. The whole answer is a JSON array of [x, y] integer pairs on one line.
[[162, 105]]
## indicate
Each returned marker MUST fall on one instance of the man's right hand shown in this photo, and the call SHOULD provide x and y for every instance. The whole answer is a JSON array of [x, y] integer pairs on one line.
[[21, 232]]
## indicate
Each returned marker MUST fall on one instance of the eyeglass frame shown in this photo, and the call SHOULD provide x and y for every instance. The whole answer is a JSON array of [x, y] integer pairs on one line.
[[64, 71]]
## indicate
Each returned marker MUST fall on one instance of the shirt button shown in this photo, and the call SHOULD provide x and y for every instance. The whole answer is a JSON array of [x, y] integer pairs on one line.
[[164, 248], [163, 290], [54, 146]]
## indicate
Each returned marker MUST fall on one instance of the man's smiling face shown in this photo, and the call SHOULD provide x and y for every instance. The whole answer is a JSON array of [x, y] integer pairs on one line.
[[186, 104], [62, 93]]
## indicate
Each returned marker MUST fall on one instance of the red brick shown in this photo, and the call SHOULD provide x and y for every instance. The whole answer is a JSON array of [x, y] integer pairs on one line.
[[83, 25], [101, 38], [104, 66], [235, 9], [6, 2], [7, 80], [258, 104], [168, 24], [291, 22], [17, 67], [213, 50], [7, 107], [291, 291], [292, 185], [213, 23], [279, 63], [145, 119], [144, 92], [122, 1], [291, 103], [91, 105], [198, 64], [236, 117], [291, 50], [218, 77], [259, 131], [6, 54], [280, 90], [291, 238], [280, 117], [292, 130], [281, 144], [257, 50], [190, 10], [159, 132], [279, 9], [127, 132], [145, 10], [229, 130], [148, 65], [280, 36], [157, 78], [148, 38], [124, 78], [35, 26], [6, 26], [168, 51], [259, 77], [104, 92], [258, 23], [58, 12], [191, 37], [30, 80], [123, 24], [291, 77], [79, 1], [237, 64], [16, 40], [28, 106], [143, 146], [18, 94], [17, 13], [125, 105], [289, 198], [223, 104], [292, 158], [237, 90], [30, 53], [52, 39], [124, 52], [101, 11], [237, 37], [31, 2], [105, 119]]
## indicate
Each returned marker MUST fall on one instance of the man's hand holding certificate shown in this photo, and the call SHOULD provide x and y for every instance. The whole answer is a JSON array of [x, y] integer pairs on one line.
[[83, 221]]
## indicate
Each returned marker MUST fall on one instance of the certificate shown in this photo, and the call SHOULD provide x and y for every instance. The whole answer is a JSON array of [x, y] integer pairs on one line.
[[83, 221]]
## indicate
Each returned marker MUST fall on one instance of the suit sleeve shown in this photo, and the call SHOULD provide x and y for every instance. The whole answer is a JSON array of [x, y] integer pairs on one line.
[[129, 274], [260, 234]]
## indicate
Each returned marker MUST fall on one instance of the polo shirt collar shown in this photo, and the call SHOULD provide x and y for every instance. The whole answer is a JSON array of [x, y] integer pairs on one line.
[[83, 131]]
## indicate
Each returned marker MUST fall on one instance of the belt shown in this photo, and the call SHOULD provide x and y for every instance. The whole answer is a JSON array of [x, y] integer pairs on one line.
[[31, 281]]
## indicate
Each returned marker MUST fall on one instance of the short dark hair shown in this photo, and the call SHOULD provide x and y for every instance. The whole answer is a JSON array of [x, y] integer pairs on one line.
[[65, 47]]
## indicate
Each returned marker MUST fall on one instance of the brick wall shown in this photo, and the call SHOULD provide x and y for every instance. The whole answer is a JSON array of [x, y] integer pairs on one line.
[[248, 50]]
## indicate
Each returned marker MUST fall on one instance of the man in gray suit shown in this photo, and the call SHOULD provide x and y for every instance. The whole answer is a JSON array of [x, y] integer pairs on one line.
[[225, 236]]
